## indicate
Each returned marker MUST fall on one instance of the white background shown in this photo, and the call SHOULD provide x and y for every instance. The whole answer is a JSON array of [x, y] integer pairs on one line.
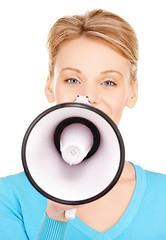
[[24, 26]]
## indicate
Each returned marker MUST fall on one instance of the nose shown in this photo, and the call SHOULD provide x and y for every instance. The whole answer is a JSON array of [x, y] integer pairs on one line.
[[92, 100], [84, 98], [91, 94], [89, 90]]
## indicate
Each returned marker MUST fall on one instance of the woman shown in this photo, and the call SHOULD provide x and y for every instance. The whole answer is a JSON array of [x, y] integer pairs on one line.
[[95, 54]]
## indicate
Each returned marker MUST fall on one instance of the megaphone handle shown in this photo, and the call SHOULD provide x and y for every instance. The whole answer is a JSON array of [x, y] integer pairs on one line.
[[70, 214]]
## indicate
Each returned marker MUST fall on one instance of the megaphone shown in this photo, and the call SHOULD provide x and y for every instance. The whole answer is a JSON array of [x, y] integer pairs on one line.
[[73, 153]]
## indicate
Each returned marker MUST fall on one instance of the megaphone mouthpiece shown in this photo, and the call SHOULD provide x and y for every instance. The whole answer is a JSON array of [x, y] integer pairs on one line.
[[75, 142]]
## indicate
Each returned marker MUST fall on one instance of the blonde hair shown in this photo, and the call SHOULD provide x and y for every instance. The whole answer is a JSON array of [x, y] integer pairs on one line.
[[96, 24]]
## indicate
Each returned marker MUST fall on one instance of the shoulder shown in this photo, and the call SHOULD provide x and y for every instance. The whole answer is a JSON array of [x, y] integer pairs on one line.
[[151, 177], [156, 186], [17, 188], [10, 183], [156, 179], [155, 183], [15, 182], [12, 179], [149, 198]]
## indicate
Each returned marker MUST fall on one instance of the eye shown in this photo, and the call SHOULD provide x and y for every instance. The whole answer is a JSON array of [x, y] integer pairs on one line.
[[109, 83], [72, 80]]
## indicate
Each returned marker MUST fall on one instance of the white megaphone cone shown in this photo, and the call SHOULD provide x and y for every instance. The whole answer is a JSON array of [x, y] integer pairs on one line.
[[73, 153]]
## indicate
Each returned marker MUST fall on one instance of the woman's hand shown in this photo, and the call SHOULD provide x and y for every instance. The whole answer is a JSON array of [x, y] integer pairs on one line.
[[56, 210]]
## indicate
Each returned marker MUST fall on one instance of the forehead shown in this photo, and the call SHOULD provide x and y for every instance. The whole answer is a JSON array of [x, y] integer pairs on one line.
[[85, 53]]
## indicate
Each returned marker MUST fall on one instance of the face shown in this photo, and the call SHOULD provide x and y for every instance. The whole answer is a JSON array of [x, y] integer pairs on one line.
[[92, 68]]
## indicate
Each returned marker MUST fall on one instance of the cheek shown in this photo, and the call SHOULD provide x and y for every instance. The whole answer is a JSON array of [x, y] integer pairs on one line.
[[63, 95], [116, 106], [119, 107], [117, 100], [120, 103]]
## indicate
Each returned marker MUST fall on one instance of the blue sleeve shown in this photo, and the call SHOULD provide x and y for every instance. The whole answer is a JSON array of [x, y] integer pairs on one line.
[[12, 221], [50, 229]]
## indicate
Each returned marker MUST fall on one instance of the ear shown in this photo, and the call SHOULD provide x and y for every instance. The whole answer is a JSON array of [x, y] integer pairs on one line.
[[49, 92], [133, 96]]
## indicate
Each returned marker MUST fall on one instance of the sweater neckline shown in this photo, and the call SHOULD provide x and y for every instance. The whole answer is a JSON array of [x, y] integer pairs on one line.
[[126, 218]]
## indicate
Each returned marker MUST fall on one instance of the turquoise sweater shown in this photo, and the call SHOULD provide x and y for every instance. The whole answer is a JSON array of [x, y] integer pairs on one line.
[[22, 213]]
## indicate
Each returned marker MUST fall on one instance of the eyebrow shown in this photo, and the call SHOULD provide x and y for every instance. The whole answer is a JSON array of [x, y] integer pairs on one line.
[[104, 72], [72, 69], [112, 71]]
